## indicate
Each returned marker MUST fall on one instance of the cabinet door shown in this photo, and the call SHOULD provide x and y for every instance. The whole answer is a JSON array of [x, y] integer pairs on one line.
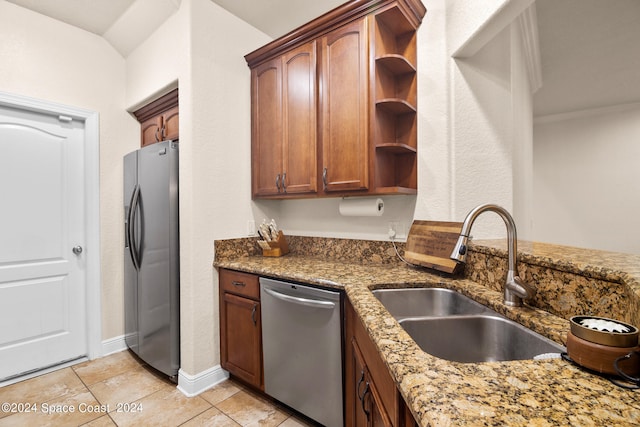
[[344, 81], [357, 387], [266, 128], [170, 128], [378, 417], [300, 122], [241, 338], [159, 119], [367, 410], [150, 131]]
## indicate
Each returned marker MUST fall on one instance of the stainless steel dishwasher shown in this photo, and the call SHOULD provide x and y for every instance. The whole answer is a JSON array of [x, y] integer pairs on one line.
[[302, 349]]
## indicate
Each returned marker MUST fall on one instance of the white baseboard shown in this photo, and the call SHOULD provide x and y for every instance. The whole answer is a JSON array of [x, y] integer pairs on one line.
[[113, 345], [189, 385], [192, 385]]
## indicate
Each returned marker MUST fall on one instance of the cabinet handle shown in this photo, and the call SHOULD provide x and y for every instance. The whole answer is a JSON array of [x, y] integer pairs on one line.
[[156, 135], [364, 396], [359, 384], [278, 182], [324, 178], [284, 183], [162, 132], [238, 284], [253, 314]]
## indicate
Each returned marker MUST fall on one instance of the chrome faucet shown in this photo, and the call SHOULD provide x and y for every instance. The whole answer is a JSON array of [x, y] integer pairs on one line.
[[515, 289]]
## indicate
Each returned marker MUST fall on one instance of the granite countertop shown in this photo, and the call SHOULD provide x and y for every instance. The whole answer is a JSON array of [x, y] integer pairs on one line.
[[444, 393]]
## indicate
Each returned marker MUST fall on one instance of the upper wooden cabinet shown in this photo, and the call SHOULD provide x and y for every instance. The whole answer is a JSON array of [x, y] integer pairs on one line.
[[284, 160], [159, 119], [334, 104], [266, 133], [344, 79]]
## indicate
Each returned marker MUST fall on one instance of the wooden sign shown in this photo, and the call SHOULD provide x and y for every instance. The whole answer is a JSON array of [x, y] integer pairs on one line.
[[430, 243]]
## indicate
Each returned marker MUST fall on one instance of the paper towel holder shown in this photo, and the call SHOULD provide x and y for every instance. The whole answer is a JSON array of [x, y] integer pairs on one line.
[[361, 206]]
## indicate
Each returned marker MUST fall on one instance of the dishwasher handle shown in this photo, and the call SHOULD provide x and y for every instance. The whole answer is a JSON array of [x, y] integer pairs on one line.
[[302, 301]]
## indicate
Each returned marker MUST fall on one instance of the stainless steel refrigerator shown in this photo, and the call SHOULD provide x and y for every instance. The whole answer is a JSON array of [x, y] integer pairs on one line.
[[151, 259]]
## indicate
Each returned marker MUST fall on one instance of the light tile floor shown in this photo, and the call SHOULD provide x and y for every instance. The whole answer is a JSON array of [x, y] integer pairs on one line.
[[118, 390]]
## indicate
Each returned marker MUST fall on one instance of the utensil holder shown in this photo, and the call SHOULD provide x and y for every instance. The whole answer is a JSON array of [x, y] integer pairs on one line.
[[277, 247]]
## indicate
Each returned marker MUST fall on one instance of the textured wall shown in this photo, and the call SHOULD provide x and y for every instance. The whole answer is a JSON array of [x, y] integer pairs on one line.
[[586, 179], [194, 48]]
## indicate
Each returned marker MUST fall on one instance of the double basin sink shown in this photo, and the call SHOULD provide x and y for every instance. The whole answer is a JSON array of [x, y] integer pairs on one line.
[[452, 326]]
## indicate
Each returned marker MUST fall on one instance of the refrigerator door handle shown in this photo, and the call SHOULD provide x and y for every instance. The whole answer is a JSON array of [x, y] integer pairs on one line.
[[131, 229]]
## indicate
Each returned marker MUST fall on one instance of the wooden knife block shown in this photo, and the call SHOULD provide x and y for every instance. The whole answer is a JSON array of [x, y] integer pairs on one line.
[[278, 247]]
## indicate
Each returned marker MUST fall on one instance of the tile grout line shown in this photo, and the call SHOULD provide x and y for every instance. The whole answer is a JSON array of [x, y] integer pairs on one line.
[[86, 386]]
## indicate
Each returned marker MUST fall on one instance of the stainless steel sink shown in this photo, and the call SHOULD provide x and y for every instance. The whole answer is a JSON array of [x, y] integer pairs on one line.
[[478, 338], [419, 302], [452, 326]]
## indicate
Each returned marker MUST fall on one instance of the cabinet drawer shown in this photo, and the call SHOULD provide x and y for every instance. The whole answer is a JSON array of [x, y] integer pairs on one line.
[[238, 283]]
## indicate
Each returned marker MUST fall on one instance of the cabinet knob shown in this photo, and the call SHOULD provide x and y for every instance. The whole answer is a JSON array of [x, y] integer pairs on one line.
[[77, 250]]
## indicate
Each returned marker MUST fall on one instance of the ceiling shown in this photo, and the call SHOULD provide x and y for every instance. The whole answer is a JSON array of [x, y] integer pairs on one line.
[[93, 16], [127, 23], [277, 17], [590, 55]]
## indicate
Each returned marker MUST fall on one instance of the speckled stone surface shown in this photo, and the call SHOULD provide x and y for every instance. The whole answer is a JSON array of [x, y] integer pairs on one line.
[[443, 393], [570, 281]]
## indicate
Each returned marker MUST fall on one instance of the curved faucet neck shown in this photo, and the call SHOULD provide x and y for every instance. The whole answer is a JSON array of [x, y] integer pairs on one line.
[[508, 221], [515, 289]]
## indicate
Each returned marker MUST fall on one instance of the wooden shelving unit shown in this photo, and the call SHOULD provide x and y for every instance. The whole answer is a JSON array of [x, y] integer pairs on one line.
[[394, 89]]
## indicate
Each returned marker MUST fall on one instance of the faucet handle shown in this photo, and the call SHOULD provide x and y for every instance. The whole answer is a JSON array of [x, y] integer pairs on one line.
[[459, 252]]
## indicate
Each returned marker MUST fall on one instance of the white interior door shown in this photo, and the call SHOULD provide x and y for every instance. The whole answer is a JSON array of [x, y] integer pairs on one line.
[[42, 219]]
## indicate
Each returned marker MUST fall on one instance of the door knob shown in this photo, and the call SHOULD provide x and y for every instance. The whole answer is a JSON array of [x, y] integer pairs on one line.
[[77, 250]]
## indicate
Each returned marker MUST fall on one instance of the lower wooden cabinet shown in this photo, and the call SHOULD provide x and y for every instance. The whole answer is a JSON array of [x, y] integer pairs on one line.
[[240, 326], [368, 410], [372, 398]]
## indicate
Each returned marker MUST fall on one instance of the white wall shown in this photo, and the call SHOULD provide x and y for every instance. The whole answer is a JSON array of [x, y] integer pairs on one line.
[[219, 159], [434, 199], [481, 139], [586, 179], [47, 59], [490, 113], [522, 136]]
